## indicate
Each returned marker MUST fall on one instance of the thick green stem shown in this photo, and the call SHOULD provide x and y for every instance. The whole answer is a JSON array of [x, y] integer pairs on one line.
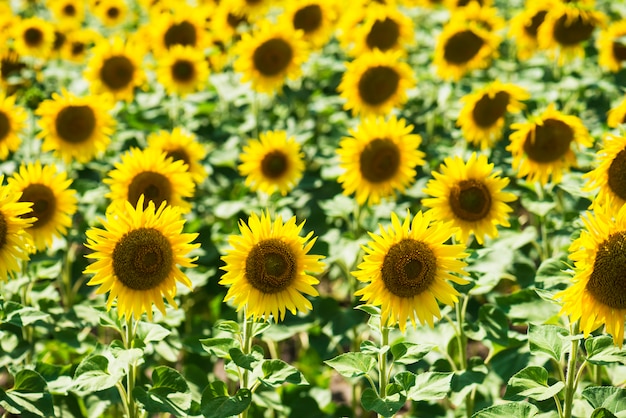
[[131, 376], [248, 324], [382, 362], [570, 377]]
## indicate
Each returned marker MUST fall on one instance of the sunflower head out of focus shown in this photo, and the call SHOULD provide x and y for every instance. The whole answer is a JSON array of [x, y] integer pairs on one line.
[[597, 295], [524, 27], [75, 128], [183, 27], [471, 195], [617, 115], [379, 159], [459, 5], [115, 68], [612, 46], [542, 147], [68, 13], [407, 268], [269, 55], [53, 202], [112, 12], [78, 44], [272, 163], [15, 242], [375, 83], [486, 17], [137, 257], [267, 268], [482, 116], [11, 66], [609, 174], [566, 27], [181, 145], [34, 37], [154, 175], [12, 121], [182, 70], [227, 23], [315, 18], [384, 29], [254, 10]]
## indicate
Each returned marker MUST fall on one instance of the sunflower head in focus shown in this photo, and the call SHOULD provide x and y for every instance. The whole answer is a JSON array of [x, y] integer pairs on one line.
[[379, 159], [137, 257], [384, 29], [617, 115], [12, 120], [272, 163], [482, 116], [407, 268], [15, 242], [75, 128], [269, 55], [597, 295], [115, 68], [471, 196], [111, 12], [542, 147], [267, 268], [181, 145], [524, 27], [184, 27], [315, 18], [34, 37], [68, 13], [612, 46], [182, 70], [375, 83], [53, 202], [609, 174]]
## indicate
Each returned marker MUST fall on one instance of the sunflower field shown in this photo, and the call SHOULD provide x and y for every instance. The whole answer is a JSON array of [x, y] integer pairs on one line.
[[312, 208]]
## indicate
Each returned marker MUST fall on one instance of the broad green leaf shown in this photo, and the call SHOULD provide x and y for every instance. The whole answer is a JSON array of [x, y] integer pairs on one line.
[[219, 346], [124, 358], [508, 410], [169, 393], [532, 382], [601, 350], [495, 323], [609, 397], [217, 403], [548, 339], [430, 386], [26, 316], [28, 397], [147, 332], [246, 361], [602, 413], [386, 407], [406, 380], [372, 310], [92, 375], [352, 364], [277, 372], [409, 353], [259, 327], [228, 326], [370, 347]]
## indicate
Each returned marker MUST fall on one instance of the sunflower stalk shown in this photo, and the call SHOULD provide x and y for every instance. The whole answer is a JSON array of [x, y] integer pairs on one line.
[[248, 325], [383, 373], [131, 376], [571, 379]]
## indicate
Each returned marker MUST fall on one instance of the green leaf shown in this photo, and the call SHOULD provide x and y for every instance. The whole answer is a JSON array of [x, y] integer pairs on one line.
[[532, 382], [429, 386], [246, 361], [216, 402], [386, 407], [370, 347], [169, 393], [406, 380], [147, 332], [602, 413], [26, 316], [352, 364], [28, 397], [259, 327], [277, 372], [609, 397], [409, 353], [228, 326], [508, 410], [372, 310], [495, 322], [219, 346], [548, 339], [602, 351], [92, 375]]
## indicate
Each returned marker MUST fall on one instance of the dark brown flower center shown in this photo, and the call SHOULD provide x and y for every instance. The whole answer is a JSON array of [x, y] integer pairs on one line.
[[274, 164], [4, 230], [234, 20], [69, 10], [409, 268], [550, 141], [572, 32], [271, 266], [378, 84], [463, 3], [619, 51], [5, 125], [154, 186], [607, 282], [113, 12], [143, 259], [77, 48], [462, 47], [44, 203], [33, 37], [183, 71], [308, 18], [379, 161], [617, 175], [183, 33], [272, 57], [488, 110], [117, 72], [383, 35], [179, 155], [10, 65], [470, 200], [533, 26], [75, 124], [59, 40]]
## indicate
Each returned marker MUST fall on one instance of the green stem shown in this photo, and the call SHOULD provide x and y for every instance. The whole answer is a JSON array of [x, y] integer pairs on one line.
[[66, 287], [382, 361], [131, 377], [570, 379], [248, 324]]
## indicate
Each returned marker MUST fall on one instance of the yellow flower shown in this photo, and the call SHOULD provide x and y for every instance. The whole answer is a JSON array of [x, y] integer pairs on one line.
[[315, 18], [456, 5], [11, 66], [525, 25], [181, 145], [482, 117], [75, 128], [12, 119], [597, 296], [182, 70], [69, 13], [226, 23], [53, 202], [184, 27], [612, 46], [78, 44], [272, 163], [470, 195], [379, 159], [266, 268], [383, 28], [617, 115], [254, 10], [375, 83], [111, 12], [486, 17], [407, 268], [137, 257], [609, 173], [15, 242], [33, 37]]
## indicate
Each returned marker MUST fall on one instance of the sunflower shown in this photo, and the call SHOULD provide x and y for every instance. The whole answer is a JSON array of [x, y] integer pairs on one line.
[[111, 12], [610, 173], [137, 257], [69, 13], [543, 147], [407, 268], [455, 5], [78, 44], [182, 70], [482, 117], [385, 29], [486, 17], [15, 242], [269, 55], [375, 83], [612, 46], [379, 159], [315, 18], [184, 27], [272, 163], [11, 66], [470, 195], [254, 10], [12, 120], [525, 25], [267, 266], [115, 68], [597, 296], [464, 46], [53, 202], [617, 115], [181, 145], [75, 128], [565, 29], [151, 173], [34, 37], [226, 22]]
